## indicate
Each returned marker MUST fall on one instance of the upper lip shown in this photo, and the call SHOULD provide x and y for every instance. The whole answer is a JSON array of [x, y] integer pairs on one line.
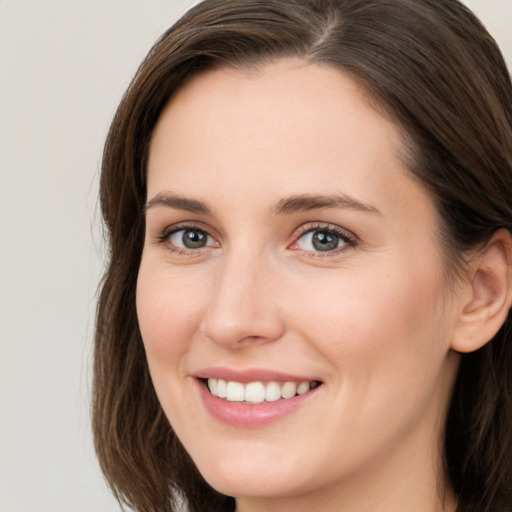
[[250, 375]]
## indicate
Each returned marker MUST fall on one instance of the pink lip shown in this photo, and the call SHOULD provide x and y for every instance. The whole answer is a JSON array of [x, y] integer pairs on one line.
[[250, 375], [239, 414]]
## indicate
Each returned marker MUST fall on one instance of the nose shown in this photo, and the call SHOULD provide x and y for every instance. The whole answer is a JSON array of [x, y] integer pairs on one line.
[[243, 308]]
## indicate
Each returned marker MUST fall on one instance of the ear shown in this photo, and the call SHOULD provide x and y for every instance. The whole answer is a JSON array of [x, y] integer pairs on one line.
[[486, 306]]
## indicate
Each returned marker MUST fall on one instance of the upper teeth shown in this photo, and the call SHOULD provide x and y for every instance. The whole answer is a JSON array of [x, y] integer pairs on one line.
[[256, 392]]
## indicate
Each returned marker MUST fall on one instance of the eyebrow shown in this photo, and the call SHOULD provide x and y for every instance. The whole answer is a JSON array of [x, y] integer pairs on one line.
[[285, 206], [307, 202], [178, 202]]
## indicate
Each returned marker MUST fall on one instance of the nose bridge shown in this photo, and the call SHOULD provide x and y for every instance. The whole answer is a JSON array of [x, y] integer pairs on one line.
[[241, 306]]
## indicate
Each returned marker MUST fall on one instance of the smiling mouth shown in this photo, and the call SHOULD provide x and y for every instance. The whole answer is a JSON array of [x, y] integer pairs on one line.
[[258, 392]]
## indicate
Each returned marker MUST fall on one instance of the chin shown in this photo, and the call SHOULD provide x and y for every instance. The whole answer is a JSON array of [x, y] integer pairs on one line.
[[255, 483], [243, 474]]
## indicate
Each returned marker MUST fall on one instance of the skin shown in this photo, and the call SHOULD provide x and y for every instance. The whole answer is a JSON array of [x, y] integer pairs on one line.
[[372, 319]]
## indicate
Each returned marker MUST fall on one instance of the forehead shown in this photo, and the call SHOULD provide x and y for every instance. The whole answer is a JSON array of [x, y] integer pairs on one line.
[[284, 129], [304, 86], [312, 111]]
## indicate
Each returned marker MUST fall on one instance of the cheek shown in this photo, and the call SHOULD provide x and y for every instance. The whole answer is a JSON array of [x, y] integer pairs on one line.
[[364, 320], [387, 342], [169, 314]]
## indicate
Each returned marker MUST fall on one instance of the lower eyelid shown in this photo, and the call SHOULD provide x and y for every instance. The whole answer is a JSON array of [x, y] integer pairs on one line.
[[164, 235]]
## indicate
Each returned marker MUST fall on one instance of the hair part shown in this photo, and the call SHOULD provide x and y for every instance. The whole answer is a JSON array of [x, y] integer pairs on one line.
[[430, 67]]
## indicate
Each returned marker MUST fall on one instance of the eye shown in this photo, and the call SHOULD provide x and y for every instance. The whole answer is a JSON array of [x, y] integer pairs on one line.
[[191, 238], [323, 239]]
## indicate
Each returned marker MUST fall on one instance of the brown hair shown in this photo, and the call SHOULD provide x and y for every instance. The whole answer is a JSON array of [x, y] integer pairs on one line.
[[432, 67]]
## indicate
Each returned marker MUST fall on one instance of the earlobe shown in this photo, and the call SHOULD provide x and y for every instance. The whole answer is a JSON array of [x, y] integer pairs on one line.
[[490, 297]]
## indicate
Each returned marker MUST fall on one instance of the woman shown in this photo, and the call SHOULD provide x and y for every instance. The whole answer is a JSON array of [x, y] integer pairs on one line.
[[306, 305]]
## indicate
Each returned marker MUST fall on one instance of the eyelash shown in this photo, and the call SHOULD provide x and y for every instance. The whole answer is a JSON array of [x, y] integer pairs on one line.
[[345, 237], [348, 239], [165, 236]]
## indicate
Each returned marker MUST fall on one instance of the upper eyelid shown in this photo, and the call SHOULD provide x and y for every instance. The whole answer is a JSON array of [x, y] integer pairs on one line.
[[325, 226], [199, 226], [298, 232]]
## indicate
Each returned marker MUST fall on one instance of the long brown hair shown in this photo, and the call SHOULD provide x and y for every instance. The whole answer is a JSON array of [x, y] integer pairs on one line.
[[429, 65]]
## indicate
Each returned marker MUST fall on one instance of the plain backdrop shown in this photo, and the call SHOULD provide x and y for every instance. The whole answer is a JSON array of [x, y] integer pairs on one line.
[[64, 65]]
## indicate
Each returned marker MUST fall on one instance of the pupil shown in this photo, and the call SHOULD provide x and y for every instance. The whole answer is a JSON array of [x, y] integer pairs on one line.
[[194, 239], [323, 241]]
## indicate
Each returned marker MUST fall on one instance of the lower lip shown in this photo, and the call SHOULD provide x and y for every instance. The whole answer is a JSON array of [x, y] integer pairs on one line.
[[240, 414]]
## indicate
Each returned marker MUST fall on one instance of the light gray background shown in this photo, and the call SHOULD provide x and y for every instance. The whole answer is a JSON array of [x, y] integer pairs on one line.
[[64, 65]]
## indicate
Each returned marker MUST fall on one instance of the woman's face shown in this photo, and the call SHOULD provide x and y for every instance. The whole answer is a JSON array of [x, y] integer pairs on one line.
[[288, 250]]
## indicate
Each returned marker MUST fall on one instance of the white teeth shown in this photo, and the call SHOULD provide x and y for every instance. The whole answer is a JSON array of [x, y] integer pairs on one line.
[[303, 387], [235, 392], [221, 388], [289, 389], [257, 392], [212, 385], [273, 392]]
